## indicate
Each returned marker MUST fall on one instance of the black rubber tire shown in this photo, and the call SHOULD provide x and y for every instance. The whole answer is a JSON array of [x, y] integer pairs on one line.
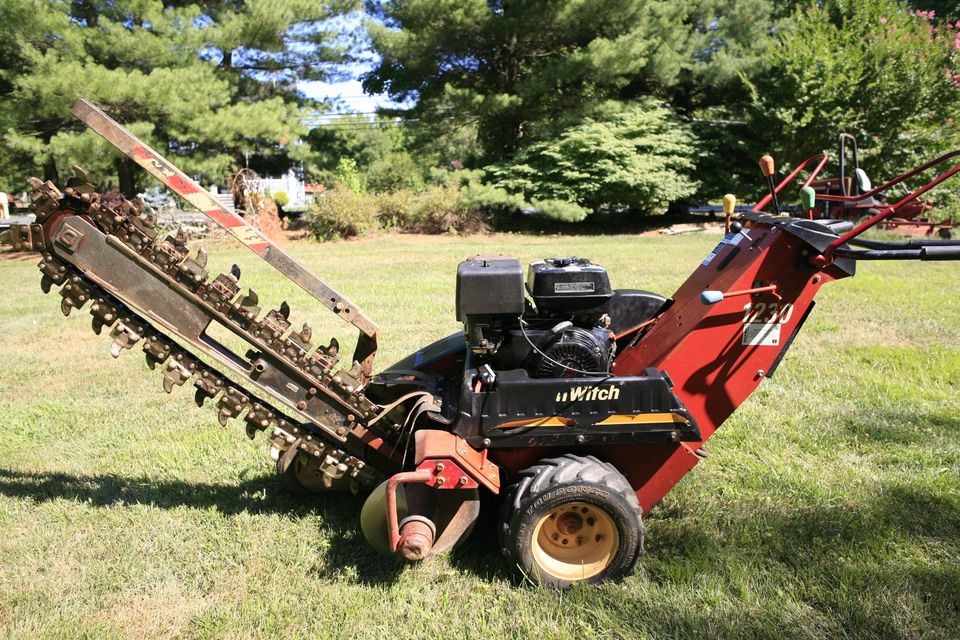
[[553, 482]]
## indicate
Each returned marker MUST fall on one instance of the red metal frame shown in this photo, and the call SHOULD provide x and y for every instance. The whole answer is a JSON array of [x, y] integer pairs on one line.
[[827, 256], [705, 347]]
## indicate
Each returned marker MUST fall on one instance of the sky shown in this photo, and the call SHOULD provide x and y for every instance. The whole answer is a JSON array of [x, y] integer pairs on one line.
[[349, 92]]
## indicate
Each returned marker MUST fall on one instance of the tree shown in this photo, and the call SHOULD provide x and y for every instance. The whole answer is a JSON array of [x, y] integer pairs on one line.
[[871, 68], [637, 157], [525, 72], [515, 65], [210, 83], [355, 137]]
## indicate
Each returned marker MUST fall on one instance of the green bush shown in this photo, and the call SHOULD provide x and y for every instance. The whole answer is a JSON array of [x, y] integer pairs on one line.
[[870, 68], [343, 213], [445, 208], [394, 172], [396, 209], [639, 157], [488, 197], [281, 199], [560, 210], [442, 209], [349, 176]]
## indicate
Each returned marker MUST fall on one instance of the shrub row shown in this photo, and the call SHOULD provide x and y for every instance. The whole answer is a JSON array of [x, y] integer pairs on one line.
[[445, 208]]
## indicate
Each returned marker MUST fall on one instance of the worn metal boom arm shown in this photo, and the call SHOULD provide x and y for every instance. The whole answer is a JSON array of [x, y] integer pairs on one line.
[[165, 172]]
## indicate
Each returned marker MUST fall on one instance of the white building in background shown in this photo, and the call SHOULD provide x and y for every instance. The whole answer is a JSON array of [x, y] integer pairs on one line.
[[289, 184]]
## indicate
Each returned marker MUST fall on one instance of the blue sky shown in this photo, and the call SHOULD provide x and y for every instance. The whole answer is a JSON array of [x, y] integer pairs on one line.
[[350, 95]]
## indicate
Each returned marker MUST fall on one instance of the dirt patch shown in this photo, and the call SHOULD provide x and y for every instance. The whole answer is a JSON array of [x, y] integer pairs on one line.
[[269, 222], [690, 227], [9, 255]]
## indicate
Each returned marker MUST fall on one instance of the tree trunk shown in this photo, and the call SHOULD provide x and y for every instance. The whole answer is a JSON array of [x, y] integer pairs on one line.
[[50, 171], [125, 177]]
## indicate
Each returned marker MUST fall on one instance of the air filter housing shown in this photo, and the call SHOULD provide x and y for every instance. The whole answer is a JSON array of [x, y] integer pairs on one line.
[[569, 285]]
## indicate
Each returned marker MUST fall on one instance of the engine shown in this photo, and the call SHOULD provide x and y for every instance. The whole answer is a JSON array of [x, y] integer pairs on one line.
[[554, 325]]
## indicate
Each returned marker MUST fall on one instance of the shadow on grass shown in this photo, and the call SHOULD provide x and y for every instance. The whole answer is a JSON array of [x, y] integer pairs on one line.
[[261, 495], [340, 512], [896, 428]]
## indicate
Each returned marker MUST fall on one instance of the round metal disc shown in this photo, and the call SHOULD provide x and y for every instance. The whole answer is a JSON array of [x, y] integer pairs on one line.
[[454, 516]]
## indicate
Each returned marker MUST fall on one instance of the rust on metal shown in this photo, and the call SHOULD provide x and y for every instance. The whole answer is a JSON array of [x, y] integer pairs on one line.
[[433, 444], [148, 291], [186, 187]]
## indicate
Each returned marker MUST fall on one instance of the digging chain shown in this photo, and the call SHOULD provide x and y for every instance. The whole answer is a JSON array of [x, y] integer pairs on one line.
[[136, 228]]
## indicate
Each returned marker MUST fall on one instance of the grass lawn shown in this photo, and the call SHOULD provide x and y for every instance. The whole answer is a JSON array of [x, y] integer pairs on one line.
[[829, 507]]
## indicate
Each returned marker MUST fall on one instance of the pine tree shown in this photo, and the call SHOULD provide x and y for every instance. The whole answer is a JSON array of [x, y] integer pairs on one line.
[[211, 84]]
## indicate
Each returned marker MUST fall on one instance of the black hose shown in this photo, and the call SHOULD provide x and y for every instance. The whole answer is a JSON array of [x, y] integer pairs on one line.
[[906, 244], [932, 253]]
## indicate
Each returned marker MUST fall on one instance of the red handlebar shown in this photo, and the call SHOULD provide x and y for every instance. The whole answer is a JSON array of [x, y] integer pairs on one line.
[[827, 256]]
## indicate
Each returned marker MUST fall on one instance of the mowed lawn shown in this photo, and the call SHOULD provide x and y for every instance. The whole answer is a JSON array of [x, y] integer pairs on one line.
[[829, 506]]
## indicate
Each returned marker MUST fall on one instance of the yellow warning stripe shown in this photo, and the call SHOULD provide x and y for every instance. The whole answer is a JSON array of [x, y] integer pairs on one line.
[[617, 420], [641, 418], [552, 421]]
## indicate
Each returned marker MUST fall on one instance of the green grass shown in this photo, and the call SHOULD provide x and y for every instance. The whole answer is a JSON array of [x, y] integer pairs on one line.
[[829, 507]]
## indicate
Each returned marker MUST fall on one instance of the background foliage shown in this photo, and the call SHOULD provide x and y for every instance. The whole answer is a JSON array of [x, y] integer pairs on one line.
[[568, 110]]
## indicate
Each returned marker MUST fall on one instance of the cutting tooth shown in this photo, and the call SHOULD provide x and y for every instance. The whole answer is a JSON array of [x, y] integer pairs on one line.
[[156, 349], [125, 334], [104, 314], [235, 272], [177, 370], [208, 385], [285, 310], [66, 306], [201, 258], [231, 405], [45, 283]]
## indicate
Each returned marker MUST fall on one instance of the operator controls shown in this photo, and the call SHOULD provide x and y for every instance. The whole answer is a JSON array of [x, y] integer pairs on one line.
[[713, 297], [729, 206], [808, 200], [768, 168]]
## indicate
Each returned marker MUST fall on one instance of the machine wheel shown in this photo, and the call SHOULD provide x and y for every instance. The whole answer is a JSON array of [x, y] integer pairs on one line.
[[571, 519], [297, 479], [305, 476]]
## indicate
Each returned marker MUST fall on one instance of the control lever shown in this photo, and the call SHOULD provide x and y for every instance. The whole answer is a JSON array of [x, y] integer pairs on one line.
[[768, 167], [713, 297], [729, 205], [808, 200]]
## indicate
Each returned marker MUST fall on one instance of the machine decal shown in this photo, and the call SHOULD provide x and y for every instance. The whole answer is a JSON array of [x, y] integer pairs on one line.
[[761, 335], [573, 287], [730, 238], [617, 420], [767, 313], [588, 393]]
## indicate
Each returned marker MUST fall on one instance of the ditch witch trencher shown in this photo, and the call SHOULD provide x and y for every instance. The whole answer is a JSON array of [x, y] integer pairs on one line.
[[580, 405]]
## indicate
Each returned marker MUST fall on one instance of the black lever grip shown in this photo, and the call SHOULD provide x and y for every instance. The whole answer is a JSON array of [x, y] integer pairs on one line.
[[940, 253]]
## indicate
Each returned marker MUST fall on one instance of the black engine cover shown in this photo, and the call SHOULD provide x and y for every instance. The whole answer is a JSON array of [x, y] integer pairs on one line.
[[569, 285]]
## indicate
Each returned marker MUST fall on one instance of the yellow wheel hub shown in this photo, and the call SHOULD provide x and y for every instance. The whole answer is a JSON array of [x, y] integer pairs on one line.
[[575, 541]]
